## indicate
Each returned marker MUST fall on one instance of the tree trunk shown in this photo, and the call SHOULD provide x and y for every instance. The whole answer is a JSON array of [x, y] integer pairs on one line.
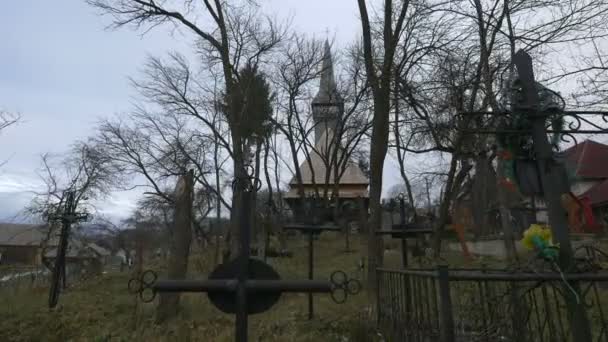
[[240, 175], [139, 249], [216, 252], [257, 231], [279, 221], [505, 214], [363, 217], [180, 245], [451, 189], [375, 248], [218, 209], [401, 157]]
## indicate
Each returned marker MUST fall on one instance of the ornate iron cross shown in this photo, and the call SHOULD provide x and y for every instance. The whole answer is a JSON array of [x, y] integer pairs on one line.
[[312, 228], [404, 230], [535, 109], [242, 286], [67, 216]]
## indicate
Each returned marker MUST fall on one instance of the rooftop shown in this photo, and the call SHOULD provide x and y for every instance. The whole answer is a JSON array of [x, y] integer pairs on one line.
[[598, 195], [13, 234], [588, 160], [319, 158]]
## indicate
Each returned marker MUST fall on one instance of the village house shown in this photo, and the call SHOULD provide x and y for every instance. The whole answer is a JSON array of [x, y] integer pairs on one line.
[[79, 255], [27, 245], [21, 244], [587, 169], [587, 165]]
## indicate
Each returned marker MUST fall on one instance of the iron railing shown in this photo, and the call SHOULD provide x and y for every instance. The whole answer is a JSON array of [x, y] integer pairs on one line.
[[486, 305]]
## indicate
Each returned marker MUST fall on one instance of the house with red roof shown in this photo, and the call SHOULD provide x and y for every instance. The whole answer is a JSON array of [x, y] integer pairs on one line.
[[587, 166]]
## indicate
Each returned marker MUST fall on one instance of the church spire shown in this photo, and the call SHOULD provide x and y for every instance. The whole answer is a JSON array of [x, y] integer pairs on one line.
[[328, 91]]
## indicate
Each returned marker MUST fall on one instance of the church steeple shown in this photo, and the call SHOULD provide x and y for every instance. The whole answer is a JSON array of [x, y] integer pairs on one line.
[[328, 91], [327, 105]]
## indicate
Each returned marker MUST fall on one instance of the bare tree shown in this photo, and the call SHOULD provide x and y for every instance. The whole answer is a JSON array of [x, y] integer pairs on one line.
[[7, 119], [428, 33], [84, 171], [380, 42], [465, 73], [168, 305], [592, 76], [233, 35], [299, 64], [72, 181]]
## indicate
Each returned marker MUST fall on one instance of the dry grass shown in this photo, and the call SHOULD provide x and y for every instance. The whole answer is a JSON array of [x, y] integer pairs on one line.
[[101, 309]]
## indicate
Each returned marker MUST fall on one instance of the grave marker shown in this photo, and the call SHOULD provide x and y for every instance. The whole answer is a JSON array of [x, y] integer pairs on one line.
[[243, 286]]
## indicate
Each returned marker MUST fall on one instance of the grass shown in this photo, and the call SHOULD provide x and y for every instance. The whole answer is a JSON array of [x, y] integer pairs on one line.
[[101, 309]]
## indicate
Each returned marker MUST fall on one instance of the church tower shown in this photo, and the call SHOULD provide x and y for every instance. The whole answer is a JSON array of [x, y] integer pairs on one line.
[[327, 105], [327, 109]]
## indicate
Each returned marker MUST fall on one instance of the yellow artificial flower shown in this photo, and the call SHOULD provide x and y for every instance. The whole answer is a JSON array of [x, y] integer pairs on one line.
[[542, 231]]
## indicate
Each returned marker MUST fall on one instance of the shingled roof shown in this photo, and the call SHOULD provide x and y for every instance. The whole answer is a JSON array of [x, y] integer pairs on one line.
[[352, 175], [588, 160], [14, 234], [76, 249]]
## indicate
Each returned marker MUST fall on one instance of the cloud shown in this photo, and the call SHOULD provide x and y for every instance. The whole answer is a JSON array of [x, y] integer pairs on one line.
[[118, 205], [16, 183], [18, 190], [12, 205]]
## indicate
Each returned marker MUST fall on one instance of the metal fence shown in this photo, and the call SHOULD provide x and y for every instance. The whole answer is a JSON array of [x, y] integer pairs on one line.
[[486, 305]]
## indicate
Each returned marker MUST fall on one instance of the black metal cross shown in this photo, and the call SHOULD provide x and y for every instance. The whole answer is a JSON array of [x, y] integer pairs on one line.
[[66, 215], [311, 230], [242, 286], [536, 108], [404, 230]]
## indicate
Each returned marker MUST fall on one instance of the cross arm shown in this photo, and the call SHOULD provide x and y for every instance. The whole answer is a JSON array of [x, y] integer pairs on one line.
[[230, 285], [400, 233], [320, 286], [213, 285], [410, 227], [312, 227]]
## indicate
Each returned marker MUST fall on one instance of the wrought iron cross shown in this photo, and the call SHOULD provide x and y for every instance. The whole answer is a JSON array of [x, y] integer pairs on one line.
[[311, 231], [67, 215], [244, 285], [312, 228], [527, 103], [404, 230]]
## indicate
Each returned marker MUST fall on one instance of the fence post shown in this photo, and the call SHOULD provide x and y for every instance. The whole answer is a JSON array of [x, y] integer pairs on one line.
[[520, 330], [446, 323], [378, 314]]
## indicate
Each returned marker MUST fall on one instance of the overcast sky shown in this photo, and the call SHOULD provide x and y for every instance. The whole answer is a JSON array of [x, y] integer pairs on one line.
[[62, 70]]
